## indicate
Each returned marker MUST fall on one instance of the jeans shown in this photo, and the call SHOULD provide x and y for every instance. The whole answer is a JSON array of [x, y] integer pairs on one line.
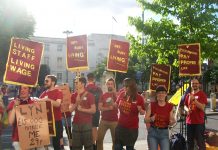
[[103, 127], [195, 131], [158, 137]]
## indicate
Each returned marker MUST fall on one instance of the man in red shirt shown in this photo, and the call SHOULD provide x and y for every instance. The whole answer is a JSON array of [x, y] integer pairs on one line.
[[22, 99], [83, 103], [108, 114], [194, 106], [97, 92], [54, 96]]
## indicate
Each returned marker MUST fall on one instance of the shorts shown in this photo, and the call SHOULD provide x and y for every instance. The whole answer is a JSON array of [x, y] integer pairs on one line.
[[95, 119]]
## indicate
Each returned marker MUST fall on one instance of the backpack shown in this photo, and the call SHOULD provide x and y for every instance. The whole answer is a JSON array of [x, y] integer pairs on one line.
[[97, 93], [177, 142]]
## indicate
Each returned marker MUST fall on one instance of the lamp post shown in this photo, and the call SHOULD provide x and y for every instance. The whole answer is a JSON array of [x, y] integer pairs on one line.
[[67, 32]]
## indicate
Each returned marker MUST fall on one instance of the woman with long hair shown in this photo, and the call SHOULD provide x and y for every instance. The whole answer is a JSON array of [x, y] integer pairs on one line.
[[130, 104]]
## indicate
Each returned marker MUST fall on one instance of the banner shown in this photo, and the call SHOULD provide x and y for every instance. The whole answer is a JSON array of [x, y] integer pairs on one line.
[[189, 60], [77, 56], [160, 75], [23, 62], [51, 120], [118, 56], [66, 101], [32, 125]]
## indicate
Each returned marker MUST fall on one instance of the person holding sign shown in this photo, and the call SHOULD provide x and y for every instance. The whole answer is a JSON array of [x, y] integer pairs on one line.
[[130, 104], [160, 116], [195, 103], [22, 99], [54, 96], [83, 103], [108, 114]]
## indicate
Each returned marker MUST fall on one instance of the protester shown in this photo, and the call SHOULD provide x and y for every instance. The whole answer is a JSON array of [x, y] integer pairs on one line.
[[160, 116], [108, 114], [83, 103], [4, 90], [130, 104], [97, 92], [54, 96], [22, 99], [66, 121], [194, 106]]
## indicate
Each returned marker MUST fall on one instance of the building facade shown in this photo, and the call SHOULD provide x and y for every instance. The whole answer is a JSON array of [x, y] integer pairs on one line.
[[55, 54]]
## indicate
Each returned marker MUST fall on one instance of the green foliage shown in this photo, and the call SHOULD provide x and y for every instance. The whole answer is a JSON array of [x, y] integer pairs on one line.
[[14, 21], [180, 22], [44, 71]]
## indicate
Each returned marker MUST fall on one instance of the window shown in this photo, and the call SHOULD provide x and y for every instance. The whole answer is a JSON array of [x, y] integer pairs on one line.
[[59, 62], [47, 46], [59, 47], [46, 60], [59, 76]]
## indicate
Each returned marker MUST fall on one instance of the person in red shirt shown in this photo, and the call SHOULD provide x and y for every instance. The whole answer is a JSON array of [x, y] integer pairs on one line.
[[108, 114], [97, 92], [54, 96], [83, 103], [22, 99], [130, 104], [195, 103], [160, 116]]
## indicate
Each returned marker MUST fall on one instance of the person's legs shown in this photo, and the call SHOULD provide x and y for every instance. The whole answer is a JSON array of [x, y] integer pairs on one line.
[[56, 139], [86, 136], [112, 127], [118, 145], [152, 139], [199, 136], [164, 139], [190, 136], [101, 133], [76, 137], [129, 147]]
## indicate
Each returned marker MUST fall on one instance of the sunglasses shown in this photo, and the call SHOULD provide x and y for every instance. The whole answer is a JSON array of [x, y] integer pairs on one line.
[[46, 81]]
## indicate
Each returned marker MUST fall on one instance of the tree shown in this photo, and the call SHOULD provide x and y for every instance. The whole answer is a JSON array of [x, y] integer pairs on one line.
[[44, 71], [181, 22], [14, 21]]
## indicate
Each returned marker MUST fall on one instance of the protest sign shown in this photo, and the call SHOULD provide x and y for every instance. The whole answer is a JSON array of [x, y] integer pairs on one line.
[[66, 97], [23, 62], [51, 120], [32, 125], [77, 56], [189, 60], [118, 56], [160, 75]]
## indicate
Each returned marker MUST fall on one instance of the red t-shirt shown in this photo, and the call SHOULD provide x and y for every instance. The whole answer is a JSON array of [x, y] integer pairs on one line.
[[162, 113], [128, 116], [54, 95], [197, 115], [14, 126], [106, 100], [86, 102]]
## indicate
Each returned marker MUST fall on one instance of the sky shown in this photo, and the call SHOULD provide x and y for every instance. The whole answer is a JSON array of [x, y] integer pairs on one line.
[[82, 16]]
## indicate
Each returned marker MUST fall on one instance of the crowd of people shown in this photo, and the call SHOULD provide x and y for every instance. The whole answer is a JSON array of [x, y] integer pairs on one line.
[[95, 112]]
